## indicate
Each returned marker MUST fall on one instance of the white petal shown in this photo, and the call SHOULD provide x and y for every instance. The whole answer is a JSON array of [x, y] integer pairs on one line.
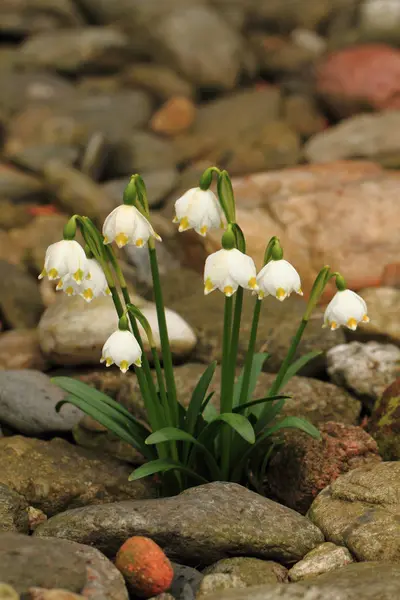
[[241, 268], [122, 346], [278, 275]]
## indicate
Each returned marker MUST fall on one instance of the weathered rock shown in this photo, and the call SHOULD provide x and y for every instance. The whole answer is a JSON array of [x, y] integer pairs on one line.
[[364, 581], [106, 442], [28, 400], [20, 302], [358, 77], [27, 562], [19, 18], [360, 510], [302, 115], [142, 151], [384, 304], [56, 475], [202, 525], [19, 349], [174, 117], [300, 205], [73, 332], [14, 215], [185, 578], [35, 158], [19, 186], [278, 323], [158, 183], [281, 55], [159, 80], [362, 136], [326, 557], [13, 512], [252, 571], [35, 517], [217, 583], [94, 49], [302, 466], [379, 21], [37, 593], [384, 423], [364, 369]]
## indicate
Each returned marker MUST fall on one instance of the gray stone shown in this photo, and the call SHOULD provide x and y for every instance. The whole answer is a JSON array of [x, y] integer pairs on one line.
[[324, 558], [20, 301], [140, 152], [93, 49], [35, 158], [364, 369], [89, 325], [161, 81], [252, 571], [19, 186], [364, 581], [18, 17], [55, 475], [158, 183], [28, 400], [361, 510], [200, 526], [27, 562], [186, 581], [13, 511], [217, 583]]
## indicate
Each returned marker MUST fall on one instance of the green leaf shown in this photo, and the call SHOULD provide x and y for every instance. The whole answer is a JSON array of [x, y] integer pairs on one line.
[[240, 424], [296, 423], [299, 364], [242, 407], [256, 368], [269, 413], [162, 465], [198, 395]]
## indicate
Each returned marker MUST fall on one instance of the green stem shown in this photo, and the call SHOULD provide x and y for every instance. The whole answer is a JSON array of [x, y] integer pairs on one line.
[[165, 346], [226, 399], [161, 386], [250, 353], [237, 316]]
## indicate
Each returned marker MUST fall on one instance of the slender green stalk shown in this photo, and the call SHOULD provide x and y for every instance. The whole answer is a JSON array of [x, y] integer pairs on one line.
[[250, 353], [226, 399], [161, 386], [165, 346]]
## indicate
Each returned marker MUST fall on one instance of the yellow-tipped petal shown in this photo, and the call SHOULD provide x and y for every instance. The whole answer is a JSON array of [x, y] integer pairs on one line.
[[300, 292], [109, 361], [53, 274], [78, 276], [69, 290], [365, 319], [203, 230], [184, 224], [121, 239], [139, 242], [157, 237], [124, 366], [88, 277], [228, 290], [42, 274], [175, 219], [352, 324], [252, 283], [138, 362], [280, 294], [261, 295], [208, 286], [333, 325], [59, 285], [108, 291], [88, 294], [106, 240]]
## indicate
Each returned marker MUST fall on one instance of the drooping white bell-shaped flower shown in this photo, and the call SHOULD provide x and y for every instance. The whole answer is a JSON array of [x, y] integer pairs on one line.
[[63, 258], [346, 308], [278, 278], [123, 349], [126, 225], [199, 210], [93, 286], [226, 270]]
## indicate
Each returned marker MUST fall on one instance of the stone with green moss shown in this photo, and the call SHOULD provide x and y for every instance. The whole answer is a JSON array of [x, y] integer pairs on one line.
[[384, 424]]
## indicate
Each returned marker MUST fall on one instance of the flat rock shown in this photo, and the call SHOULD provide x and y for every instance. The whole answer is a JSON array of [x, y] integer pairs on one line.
[[19, 186], [28, 400], [384, 422], [364, 369], [73, 332], [360, 510], [161, 81], [27, 562], [20, 301], [252, 571], [140, 152], [326, 557], [13, 511], [19, 349], [364, 581], [202, 525], [93, 49], [384, 304], [56, 475]]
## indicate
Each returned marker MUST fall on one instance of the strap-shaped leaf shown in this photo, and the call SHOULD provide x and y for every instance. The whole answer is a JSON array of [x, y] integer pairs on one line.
[[161, 465], [256, 368], [197, 399], [297, 365], [242, 407]]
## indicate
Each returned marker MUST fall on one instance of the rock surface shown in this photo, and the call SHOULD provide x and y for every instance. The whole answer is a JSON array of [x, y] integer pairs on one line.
[[302, 467], [252, 571], [364, 369], [360, 510], [27, 562], [20, 301], [28, 401], [202, 525], [19, 349], [73, 332], [384, 423], [326, 557], [384, 304], [13, 511], [56, 475]]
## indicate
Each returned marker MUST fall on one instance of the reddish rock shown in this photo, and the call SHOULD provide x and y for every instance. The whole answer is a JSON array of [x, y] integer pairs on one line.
[[174, 117], [303, 466], [144, 565], [359, 77]]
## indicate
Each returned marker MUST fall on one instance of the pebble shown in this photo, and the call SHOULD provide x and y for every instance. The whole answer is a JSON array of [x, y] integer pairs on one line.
[[326, 557]]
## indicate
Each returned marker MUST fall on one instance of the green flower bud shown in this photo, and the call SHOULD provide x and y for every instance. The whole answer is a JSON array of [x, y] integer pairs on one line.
[[70, 229], [226, 196], [123, 323], [340, 282], [228, 239], [130, 193]]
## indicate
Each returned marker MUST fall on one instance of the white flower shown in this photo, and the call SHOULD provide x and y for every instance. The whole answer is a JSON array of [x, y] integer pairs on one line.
[[126, 225], [278, 278], [94, 285], [63, 258], [123, 349], [199, 210], [346, 308], [227, 270]]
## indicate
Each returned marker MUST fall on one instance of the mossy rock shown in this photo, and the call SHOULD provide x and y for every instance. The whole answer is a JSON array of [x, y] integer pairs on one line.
[[384, 424]]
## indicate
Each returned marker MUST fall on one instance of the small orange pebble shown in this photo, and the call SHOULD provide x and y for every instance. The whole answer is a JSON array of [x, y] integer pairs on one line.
[[145, 567]]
